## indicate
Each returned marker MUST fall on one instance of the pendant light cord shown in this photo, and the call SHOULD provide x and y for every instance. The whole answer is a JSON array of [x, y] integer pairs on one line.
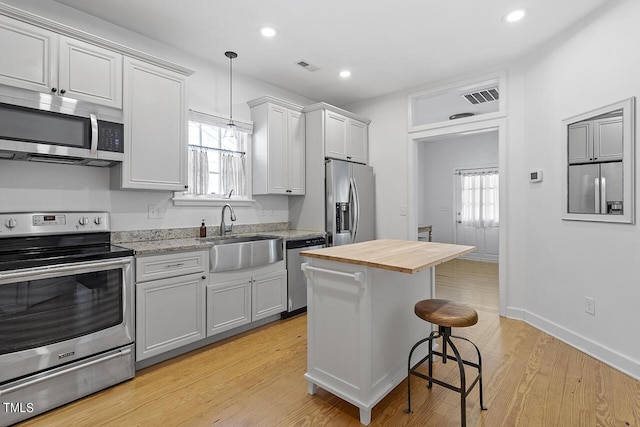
[[231, 56]]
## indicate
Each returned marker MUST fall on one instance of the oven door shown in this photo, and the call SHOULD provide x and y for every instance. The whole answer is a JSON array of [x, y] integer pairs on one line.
[[54, 315]]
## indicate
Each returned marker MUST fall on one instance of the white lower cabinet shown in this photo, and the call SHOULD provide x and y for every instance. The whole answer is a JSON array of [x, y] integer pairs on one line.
[[238, 298], [170, 310], [228, 305], [268, 294]]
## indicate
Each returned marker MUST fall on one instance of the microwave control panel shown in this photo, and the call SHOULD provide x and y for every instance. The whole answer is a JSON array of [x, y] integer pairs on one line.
[[110, 136]]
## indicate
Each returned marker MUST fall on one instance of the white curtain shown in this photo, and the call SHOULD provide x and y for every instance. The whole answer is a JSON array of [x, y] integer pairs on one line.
[[233, 174], [480, 192], [198, 171]]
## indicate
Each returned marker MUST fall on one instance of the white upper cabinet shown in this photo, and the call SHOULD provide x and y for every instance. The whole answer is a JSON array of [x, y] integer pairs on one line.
[[345, 136], [90, 73], [596, 140], [32, 50], [155, 114], [279, 147], [44, 61]]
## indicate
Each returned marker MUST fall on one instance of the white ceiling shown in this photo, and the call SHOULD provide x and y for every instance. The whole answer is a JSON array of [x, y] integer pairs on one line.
[[388, 45]]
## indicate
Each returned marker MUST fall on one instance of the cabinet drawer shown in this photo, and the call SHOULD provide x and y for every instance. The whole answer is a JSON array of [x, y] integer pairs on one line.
[[170, 265]]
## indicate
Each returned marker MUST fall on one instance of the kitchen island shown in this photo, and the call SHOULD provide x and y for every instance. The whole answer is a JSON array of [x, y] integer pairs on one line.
[[360, 319]]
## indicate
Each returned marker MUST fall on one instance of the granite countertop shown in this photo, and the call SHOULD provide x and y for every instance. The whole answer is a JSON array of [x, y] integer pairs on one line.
[[160, 246], [405, 256]]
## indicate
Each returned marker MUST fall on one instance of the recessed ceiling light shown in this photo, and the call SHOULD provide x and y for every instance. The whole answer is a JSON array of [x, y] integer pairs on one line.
[[267, 31], [345, 74], [515, 16]]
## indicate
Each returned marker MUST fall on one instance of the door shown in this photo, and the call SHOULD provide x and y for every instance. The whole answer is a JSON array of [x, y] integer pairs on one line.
[[268, 294], [277, 167], [169, 314], [582, 188], [477, 221], [296, 152], [363, 203], [357, 142], [155, 111], [335, 134], [90, 73], [30, 56], [228, 305], [338, 213], [611, 188]]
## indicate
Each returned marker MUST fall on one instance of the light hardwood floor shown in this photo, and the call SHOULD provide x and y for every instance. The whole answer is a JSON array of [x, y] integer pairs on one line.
[[256, 379]]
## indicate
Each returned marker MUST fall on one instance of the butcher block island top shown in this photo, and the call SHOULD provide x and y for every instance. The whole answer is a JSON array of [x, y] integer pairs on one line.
[[405, 256]]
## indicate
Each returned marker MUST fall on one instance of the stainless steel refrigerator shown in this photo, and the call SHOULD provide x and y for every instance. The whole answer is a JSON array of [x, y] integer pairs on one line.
[[349, 202], [596, 188]]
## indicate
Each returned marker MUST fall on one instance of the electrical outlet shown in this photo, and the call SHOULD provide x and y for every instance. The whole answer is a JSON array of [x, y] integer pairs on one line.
[[155, 212], [590, 305], [403, 210]]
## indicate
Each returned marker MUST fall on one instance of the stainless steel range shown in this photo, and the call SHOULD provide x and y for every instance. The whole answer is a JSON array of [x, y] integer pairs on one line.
[[66, 310]]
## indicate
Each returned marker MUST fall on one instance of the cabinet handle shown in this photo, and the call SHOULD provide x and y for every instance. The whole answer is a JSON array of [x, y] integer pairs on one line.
[[186, 187], [63, 91], [204, 277], [180, 264], [54, 90], [349, 157]]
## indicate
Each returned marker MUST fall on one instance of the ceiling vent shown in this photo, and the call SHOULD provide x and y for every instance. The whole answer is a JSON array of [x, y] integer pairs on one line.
[[309, 67], [482, 96]]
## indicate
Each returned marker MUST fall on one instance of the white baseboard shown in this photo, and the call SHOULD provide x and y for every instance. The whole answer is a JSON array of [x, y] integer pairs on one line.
[[586, 345]]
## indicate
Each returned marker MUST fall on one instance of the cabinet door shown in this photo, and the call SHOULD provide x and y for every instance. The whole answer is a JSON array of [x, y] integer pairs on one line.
[[335, 136], [155, 127], [277, 162], [580, 142], [268, 294], [90, 73], [358, 142], [296, 152], [29, 56], [228, 305], [607, 139], [169, 314]]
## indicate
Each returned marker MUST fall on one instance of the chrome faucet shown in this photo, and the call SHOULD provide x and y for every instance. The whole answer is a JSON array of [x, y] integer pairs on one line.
[[223, 228]]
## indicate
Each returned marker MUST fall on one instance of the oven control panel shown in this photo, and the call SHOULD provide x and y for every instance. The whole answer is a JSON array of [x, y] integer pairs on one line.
[[40, 223], [49, 220]]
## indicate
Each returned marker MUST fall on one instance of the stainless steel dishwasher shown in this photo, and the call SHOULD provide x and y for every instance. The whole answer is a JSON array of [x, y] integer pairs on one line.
[[296, 281]]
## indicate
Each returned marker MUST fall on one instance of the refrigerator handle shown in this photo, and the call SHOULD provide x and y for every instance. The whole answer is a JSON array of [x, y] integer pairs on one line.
[[603, 195], [597, 195], [355, 209]]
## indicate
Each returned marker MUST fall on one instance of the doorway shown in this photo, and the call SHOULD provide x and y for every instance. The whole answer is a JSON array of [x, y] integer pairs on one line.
[[444, 228]]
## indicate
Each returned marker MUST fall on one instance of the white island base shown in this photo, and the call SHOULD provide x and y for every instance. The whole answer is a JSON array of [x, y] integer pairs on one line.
[[360, 329], [361, 323]]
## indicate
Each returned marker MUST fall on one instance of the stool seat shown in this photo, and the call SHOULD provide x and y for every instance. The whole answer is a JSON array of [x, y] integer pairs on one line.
[[446, 313]]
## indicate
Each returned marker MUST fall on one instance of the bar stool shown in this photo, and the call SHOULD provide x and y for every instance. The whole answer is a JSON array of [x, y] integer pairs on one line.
[[446, 314]]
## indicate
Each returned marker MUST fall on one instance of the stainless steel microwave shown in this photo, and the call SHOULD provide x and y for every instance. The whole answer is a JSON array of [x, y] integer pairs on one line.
[[49, 136]]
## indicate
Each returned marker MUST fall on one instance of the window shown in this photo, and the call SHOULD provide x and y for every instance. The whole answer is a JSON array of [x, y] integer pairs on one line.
[[480, 196], [217, 169]]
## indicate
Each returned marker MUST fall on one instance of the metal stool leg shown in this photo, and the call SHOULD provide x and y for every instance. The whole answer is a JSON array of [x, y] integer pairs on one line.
[[463, 382], [479, 370], [433, 335]]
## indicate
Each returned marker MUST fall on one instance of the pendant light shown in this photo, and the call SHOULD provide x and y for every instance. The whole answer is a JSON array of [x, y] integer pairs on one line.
[[230, 136]]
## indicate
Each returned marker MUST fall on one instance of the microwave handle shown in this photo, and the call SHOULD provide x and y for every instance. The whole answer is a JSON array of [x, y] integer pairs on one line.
[[94, 136]]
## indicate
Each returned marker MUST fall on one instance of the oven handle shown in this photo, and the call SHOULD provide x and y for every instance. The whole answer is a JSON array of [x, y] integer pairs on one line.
[[64, 372], [48, 271]]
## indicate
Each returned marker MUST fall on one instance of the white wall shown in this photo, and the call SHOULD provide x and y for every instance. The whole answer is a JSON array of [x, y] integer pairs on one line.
[[26, 186], [552, 264], [589, 68], [437, 160]]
